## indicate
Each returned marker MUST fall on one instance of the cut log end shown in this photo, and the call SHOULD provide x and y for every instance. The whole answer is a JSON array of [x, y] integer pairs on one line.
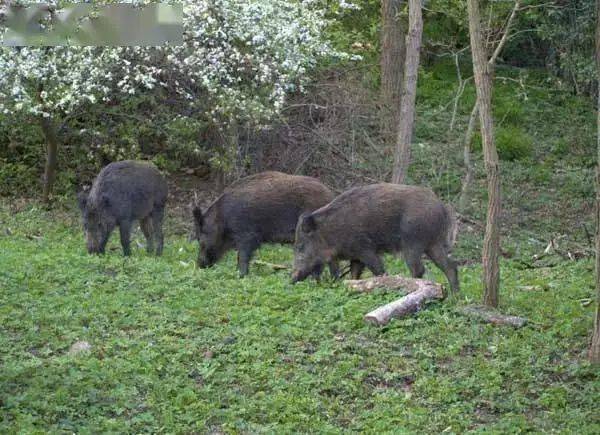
[[489, 315]]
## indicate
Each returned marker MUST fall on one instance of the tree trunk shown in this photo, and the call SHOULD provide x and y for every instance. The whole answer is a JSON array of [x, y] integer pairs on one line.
[[483, 83], [409, 92], [393, 50], [465, 191], [50, 134], [468, 179], [219, 180], [595, 347]]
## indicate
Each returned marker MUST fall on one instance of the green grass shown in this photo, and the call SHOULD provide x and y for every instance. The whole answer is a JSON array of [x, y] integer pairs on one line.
[[178, 350]]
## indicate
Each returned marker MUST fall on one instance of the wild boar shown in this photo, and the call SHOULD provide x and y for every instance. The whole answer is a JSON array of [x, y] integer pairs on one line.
[[364, 222], [122, 193], [262, 208]]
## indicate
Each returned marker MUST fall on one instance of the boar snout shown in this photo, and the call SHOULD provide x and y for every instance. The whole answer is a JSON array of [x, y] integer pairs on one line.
[[299, 275]]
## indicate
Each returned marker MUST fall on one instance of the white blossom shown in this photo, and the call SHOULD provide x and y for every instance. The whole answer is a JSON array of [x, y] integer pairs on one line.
[[238, 59]]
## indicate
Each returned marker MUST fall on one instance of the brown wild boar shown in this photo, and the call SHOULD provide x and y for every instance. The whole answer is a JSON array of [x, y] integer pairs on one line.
[[364, 222], [262, 208]]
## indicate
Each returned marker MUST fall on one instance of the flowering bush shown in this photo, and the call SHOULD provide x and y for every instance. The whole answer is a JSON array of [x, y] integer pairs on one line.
[[239, 56], [238, 60]]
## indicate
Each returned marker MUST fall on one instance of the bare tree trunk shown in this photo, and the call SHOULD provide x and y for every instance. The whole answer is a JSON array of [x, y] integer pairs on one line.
[[393, 50], [219, 181], [226, 146], [50, 134], [483, 83], [465, 191], [468, 179], [595, 347], [409, 92]]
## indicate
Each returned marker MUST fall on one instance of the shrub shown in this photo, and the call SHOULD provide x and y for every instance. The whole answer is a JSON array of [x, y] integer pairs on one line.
[[512, 143], [508, 110], [17, 177]]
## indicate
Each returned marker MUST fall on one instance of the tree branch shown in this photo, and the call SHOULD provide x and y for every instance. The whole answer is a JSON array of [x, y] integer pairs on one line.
[[504, 38]]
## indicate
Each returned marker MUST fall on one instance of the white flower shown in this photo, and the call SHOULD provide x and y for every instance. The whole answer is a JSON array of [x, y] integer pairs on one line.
[[238, 59]]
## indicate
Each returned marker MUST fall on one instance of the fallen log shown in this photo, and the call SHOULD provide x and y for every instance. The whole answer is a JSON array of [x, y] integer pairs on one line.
[[387, 282], [419, 291], [489, 315]]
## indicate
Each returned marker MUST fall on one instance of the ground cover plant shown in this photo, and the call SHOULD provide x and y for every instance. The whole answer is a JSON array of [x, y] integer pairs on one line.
[[177, 349], [95, 344]]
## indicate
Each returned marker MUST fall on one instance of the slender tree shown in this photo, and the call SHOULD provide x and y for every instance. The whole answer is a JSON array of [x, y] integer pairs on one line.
[[49, 130], [393, 50], [409, 92], [595, 347], [468, 178], [483, 82]]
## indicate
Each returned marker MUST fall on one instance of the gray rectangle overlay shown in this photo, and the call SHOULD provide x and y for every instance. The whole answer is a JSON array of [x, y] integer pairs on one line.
[[85, 24]]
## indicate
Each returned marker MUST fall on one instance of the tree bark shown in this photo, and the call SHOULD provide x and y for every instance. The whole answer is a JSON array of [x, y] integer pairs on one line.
[[409, 92], [393, 50], [50, 134], [468, 179], [219, 180], [595, 347], [465, 191], [483, 83]]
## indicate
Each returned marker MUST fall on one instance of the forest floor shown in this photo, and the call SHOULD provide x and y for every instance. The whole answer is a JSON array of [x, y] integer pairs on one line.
[[176, 349]]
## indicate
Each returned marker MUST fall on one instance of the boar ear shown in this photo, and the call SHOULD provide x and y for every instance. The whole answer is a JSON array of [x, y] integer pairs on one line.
[[308, 223], [198, 215], [82, 198]]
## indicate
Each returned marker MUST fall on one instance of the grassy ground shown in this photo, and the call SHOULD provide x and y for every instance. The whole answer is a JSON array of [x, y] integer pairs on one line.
[[178, 350]]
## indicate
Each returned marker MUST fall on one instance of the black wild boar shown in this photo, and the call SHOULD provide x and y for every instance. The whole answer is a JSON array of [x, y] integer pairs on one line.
[[262, 208], [122, 193], [364, 222]]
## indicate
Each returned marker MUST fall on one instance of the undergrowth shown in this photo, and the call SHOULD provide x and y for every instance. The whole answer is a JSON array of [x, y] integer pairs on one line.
[[178, 350]]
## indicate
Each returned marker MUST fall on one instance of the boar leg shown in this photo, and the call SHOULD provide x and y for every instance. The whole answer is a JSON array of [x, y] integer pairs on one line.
[[334, 269], [373, 262], [414, 262], [125, 230], [316, 273], [356, 269], [245, 251], [157, 220], [439, 255], [146, 226]]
